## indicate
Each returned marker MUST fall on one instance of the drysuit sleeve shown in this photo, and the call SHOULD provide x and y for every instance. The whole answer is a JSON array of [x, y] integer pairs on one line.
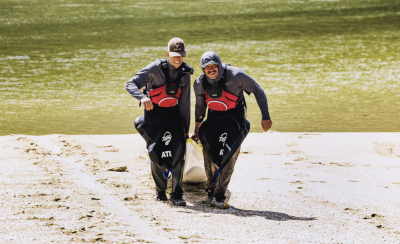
[[140, 79], [249, 85], [201, 106], [184, 103]]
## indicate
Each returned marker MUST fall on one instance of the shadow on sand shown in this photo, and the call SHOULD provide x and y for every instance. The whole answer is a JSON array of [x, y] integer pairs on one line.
[[196, 195], [277, 216]]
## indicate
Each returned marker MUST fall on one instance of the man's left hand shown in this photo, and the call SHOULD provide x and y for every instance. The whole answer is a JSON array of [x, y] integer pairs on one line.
[[266, 124]]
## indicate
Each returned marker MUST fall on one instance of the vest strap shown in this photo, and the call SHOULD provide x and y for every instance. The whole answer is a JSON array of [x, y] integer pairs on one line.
[[165, 70], [216, 176]]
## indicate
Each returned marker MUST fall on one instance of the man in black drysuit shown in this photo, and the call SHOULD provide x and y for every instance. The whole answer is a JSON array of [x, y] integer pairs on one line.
[[223, 131], [165, 129]]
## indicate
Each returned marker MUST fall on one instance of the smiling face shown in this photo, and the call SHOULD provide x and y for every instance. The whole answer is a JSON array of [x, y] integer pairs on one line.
[[175, 61], [211, 71]]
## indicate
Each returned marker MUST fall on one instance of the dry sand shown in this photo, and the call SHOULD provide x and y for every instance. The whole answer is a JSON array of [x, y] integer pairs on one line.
[[286, 188]]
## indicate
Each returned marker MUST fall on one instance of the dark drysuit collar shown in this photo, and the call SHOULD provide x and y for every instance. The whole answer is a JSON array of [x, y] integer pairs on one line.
[[184, 68]]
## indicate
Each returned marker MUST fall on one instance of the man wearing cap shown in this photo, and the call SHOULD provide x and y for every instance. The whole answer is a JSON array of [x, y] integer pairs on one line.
[[166, 120], [220, 89]]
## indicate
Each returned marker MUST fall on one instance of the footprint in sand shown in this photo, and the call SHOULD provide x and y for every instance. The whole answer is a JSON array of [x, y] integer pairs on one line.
[[109, 148], [69, 148], [342, 164], [390, 149], [291, 144], [308, 135]]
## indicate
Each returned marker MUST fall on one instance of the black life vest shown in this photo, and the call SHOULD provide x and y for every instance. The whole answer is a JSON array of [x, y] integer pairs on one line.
[[168, 94], [217, 98]]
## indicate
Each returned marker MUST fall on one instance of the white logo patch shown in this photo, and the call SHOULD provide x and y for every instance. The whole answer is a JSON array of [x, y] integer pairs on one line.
[[167, 138], [166, 154], [222, 138]]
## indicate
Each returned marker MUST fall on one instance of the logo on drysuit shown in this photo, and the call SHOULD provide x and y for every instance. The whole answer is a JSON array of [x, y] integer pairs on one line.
[[222, 139], [167, 138], [166, 154]]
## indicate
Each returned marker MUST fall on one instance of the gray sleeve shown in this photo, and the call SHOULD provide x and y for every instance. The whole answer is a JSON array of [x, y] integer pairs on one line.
[[140, 79], [249, 85], [201, 106], [184, 103], [133, 89]]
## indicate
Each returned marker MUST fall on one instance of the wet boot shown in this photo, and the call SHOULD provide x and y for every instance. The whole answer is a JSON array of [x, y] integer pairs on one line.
[[210, 193], [177, 199], [161, 196], [218, 200]]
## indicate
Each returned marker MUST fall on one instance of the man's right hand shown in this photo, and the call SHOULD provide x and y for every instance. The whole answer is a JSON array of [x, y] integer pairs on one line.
[[266, 124], [195, 135], [147, 103]]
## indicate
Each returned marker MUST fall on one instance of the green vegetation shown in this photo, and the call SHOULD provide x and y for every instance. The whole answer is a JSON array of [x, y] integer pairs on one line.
[[324, 65]]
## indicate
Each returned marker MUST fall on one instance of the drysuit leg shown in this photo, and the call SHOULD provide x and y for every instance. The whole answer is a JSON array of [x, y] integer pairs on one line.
[[210, 169], [177, 175], [176, 179], [224, 177], [156, 171]]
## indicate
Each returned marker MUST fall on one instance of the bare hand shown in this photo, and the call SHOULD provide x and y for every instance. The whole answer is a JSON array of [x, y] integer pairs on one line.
[[266, 124], [186, 135], [195, 135], [147, 103]]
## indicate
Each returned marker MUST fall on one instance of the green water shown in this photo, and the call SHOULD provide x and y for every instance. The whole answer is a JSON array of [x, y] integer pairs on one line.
[[326, 66]]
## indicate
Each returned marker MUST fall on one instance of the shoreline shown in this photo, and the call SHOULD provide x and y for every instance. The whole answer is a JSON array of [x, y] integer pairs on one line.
[[287, 187]]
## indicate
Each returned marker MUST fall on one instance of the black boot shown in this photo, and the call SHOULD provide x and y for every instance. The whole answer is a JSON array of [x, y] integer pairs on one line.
[[218, 200], [161, 196], [210, 193], [177, 199]]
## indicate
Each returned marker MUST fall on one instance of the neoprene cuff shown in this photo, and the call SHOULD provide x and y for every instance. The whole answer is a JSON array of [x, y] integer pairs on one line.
[[142, 96], [267, 117]]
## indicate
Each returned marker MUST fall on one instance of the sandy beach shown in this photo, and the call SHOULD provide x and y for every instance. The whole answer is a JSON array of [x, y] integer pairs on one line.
[[286, 188]]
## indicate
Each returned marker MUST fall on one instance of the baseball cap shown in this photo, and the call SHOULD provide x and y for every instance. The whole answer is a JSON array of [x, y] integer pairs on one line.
[[176, 47]]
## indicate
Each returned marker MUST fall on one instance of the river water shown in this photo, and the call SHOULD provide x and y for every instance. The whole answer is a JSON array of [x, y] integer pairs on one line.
[[325, 66]]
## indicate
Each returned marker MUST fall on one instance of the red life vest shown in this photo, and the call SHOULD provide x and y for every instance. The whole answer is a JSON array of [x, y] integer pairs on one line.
[[166, 95], [220, 100], [216, 97]]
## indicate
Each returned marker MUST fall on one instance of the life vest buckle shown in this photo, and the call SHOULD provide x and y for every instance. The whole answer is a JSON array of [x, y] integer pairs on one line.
[[171, 89], [215, 92]]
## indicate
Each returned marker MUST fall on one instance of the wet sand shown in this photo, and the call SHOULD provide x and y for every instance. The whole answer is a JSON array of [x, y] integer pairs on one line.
[[286, 188]]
